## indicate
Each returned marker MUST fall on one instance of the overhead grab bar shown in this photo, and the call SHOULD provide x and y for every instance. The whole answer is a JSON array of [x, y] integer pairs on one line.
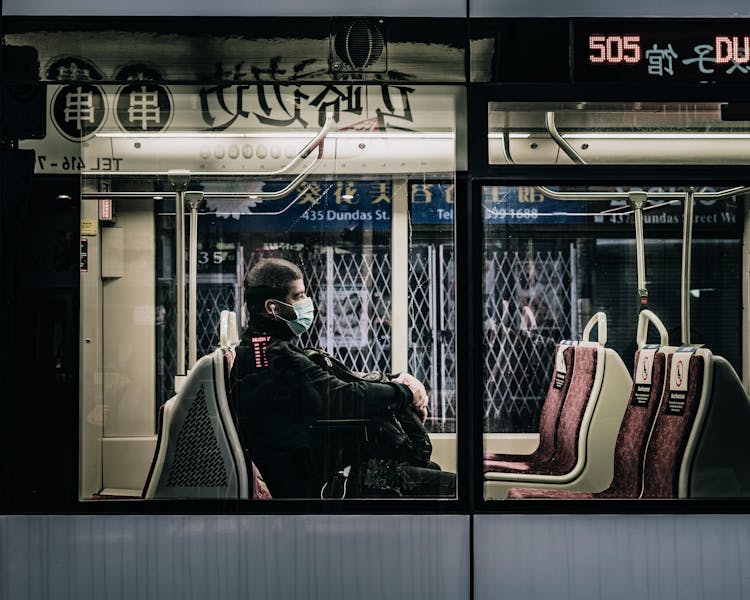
[[230, 195], [317, 141], [549, 122], [506, 147], [604, 196]]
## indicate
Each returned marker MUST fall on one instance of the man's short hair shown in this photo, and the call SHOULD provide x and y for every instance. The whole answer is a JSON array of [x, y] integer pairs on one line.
[[270, 278]]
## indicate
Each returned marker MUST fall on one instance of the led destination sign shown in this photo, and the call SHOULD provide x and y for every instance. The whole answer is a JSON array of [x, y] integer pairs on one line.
[[661, 51]]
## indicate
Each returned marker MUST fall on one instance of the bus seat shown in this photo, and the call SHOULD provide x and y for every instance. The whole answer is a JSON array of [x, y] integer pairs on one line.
[[550, 415], [579, 396], [643, 404], [198, 454], [720, 452], [632, 439], [589, 422], [686, 394], [699, 446]]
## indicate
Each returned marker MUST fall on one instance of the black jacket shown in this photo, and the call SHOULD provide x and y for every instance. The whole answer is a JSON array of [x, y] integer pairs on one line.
[[278, 393]]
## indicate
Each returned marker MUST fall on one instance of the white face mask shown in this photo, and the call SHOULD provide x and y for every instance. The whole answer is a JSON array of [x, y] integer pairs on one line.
[[305, 312]]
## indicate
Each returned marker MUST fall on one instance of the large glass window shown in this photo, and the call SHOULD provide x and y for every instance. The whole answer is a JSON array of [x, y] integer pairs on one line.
[[613, 333], [617, 133], [336, 197], [593, 385]]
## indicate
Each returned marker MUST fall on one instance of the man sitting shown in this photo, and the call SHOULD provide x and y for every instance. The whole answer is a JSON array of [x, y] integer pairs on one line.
[[279, 393]]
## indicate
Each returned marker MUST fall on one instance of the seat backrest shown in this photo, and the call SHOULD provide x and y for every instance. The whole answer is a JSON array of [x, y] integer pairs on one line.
[[649, 377], [198, 454], [643, 404], [717, 461], [578, 407], [685, 394], [558, 388], [574, 408]]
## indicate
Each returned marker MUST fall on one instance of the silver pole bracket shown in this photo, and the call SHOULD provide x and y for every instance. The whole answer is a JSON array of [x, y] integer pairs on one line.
[[179, 179], [194, 199]]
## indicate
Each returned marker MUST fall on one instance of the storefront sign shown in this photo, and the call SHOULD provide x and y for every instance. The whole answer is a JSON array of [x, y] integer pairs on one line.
[[528, 206], [341, 206]]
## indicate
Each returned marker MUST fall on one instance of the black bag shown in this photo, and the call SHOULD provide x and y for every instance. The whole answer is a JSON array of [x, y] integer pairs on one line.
[[399, 433]]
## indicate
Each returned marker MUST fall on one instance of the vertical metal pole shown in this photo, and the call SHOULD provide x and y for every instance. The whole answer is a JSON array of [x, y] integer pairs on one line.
[[687, 238], [445, 325], [400, 277], [192, 289], [638, 200], [179, 265], [193, 199], [745, 279], [179, 180], [435, 325], [239, 301], [367, 280], [330, 317], [573, 291]]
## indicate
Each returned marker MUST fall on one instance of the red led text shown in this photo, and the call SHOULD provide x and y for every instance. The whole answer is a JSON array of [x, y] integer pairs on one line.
[[732, 49], [612, 49]]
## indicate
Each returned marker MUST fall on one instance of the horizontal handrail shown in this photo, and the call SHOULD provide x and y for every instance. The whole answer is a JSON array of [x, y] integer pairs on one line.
[[317, 141]]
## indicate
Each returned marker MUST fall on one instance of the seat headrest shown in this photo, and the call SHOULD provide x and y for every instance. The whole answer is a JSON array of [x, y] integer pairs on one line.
[[228, 333], [646, 318], [599, 320]]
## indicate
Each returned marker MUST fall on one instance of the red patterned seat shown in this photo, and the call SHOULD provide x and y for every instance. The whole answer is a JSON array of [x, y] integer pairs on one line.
[[631, 441], [549, 418]]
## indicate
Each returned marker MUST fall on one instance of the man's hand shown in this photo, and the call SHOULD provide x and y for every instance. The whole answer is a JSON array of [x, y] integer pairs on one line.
[[419, 394]]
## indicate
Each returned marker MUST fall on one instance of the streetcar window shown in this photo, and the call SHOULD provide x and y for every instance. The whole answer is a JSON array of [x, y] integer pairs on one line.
[[614, 133], [562, 299], [362, 219]]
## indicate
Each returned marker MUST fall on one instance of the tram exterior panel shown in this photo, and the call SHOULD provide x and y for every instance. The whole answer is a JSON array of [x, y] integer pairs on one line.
[[551, 236]]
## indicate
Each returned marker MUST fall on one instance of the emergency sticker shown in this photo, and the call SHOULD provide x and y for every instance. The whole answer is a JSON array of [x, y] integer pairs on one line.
[[678, 380], [642, 379]]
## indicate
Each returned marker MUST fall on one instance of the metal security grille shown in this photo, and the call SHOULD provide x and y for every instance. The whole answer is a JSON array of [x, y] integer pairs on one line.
[[526, 312], [352, 289], [211, 298], [431, 329]]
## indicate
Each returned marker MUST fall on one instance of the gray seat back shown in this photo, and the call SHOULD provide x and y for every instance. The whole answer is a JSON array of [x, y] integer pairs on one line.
[[198, 454]]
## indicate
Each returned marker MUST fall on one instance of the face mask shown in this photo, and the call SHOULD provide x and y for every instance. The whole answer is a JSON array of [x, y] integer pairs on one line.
[[305, 312]]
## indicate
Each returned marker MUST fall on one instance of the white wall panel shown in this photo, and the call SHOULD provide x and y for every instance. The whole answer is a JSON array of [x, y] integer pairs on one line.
[[234, 557], [612, 557]]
